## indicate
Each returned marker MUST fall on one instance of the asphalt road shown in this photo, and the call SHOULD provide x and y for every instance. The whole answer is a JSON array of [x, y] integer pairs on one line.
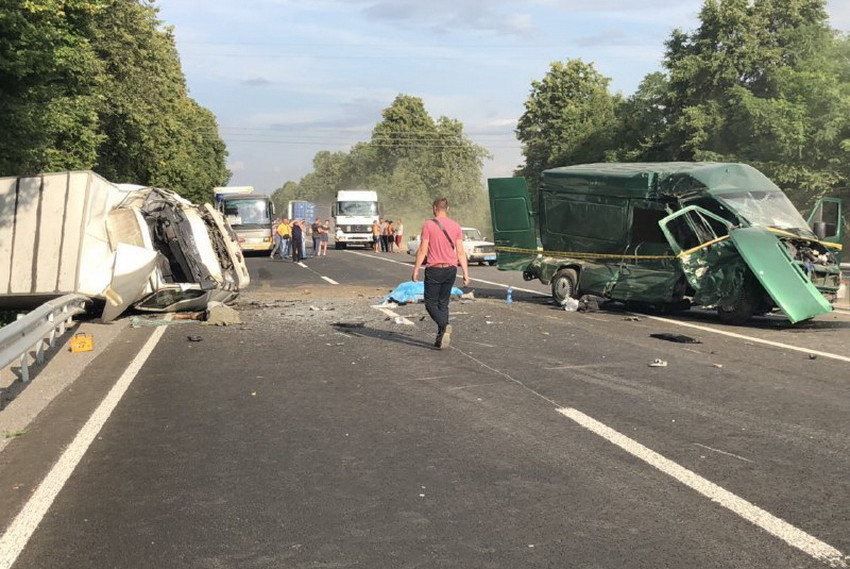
[[325, 432]]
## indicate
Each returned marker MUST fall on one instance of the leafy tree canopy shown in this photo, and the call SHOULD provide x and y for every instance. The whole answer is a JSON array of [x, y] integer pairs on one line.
[[410, 159], [97, 84]]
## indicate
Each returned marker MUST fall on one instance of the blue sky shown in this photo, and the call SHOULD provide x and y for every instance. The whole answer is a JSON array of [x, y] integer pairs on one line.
[[289, 78]]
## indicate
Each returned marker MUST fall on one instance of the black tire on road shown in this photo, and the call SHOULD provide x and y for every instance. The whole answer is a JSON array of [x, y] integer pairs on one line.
[[565, 285], [491, 263]]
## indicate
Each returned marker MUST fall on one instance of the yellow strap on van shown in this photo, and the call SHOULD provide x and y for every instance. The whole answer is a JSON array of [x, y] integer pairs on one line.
[[827, 244], [577, 255]]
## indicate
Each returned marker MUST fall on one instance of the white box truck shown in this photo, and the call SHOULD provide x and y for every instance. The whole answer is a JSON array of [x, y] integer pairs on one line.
[[353, 212]]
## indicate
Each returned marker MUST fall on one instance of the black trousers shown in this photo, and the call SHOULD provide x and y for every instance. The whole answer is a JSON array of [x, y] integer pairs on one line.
[[438, 291], [296, 249]]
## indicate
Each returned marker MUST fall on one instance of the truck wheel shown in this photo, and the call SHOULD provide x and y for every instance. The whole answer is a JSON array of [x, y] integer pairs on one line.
[[491, 263], [742, 309], [565, 285]]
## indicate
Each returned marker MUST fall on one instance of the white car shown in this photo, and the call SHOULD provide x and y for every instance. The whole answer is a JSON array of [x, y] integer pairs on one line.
[[478, 250]]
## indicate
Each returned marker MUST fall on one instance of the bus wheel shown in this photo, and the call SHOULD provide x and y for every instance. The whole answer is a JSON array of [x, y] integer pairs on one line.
[[564, 285]]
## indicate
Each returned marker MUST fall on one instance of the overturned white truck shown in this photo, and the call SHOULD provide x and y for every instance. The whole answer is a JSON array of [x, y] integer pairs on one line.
[[120, 245]]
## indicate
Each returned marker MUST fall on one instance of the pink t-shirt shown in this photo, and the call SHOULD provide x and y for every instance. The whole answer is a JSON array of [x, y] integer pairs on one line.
[[439, 249]]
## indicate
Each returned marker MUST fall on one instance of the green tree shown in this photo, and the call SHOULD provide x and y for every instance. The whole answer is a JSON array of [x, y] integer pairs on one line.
[[49, 77], [570, 117], [761, 82], [409, 160], [97, 84], [641, 122], [155, 133]]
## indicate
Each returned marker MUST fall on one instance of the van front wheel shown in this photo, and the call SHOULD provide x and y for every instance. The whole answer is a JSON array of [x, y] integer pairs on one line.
[[742, 309], [564, 285]]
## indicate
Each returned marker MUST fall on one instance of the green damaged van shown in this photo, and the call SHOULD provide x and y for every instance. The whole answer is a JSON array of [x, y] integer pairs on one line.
[[671, 235]]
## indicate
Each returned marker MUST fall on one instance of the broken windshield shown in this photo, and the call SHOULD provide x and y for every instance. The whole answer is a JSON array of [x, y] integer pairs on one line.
[[765, 209]]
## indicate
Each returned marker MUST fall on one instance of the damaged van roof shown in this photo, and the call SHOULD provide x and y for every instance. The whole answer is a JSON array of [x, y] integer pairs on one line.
[[656, 179]]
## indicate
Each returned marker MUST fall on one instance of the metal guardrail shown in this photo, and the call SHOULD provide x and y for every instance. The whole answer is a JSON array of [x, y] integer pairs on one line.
[[29, 333]]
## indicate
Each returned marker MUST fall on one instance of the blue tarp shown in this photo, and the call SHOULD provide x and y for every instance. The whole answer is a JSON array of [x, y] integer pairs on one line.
[[412, 291]]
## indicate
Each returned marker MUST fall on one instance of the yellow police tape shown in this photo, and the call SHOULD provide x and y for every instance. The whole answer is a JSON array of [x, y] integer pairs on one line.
[[577, 255]]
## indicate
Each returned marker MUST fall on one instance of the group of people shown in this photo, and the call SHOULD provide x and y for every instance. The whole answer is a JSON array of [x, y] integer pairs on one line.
[[387, 235], [290, 238]]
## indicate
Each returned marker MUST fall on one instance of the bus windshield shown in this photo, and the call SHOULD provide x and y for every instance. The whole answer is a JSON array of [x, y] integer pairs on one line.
[[243, 212], [364, 209]]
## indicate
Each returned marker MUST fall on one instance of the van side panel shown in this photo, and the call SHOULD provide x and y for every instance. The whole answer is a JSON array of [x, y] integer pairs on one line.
[[582, 223]]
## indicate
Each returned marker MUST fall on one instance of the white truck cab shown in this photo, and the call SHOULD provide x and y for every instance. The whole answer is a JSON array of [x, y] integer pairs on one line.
[[354, 211]]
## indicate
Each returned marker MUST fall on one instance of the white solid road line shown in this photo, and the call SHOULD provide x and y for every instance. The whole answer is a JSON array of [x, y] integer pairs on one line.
[[750, 512], [25, 523], [679, 323], [330, 280], [765, 520]]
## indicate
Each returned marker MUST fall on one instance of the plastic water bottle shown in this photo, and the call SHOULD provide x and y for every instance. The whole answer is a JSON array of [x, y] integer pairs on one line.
[[509, 299]]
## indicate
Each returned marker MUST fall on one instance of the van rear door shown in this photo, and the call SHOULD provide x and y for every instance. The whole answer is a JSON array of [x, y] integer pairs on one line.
[[514, 231]]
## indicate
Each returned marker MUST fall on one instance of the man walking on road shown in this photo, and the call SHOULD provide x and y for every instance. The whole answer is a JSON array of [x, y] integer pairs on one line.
[[442, 242]]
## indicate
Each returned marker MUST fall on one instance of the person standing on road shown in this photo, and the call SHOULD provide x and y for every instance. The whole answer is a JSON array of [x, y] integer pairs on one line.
[[399, 233], [325, 229], [285, 233], [275, 238], [305, 231], [382, 235], [297, 235], [388, 236], [442, 243], [317, 236], [376, 235]]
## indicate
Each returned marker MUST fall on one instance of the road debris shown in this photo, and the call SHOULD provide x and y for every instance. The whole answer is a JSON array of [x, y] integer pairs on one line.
[[678, 338], [219, 314], [588, 304], [658, 363], [194, 338], [632, 319]]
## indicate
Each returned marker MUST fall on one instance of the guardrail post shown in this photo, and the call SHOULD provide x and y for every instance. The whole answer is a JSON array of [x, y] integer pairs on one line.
[[25, 371]]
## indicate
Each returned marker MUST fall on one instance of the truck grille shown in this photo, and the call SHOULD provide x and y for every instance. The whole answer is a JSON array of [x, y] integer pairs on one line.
[[357, 228]]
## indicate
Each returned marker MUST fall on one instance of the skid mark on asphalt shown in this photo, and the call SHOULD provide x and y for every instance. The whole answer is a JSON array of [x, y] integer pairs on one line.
[[717, 450], [762, 519]]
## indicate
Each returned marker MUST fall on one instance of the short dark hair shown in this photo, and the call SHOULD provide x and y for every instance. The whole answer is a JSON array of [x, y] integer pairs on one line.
[[441, 204]]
